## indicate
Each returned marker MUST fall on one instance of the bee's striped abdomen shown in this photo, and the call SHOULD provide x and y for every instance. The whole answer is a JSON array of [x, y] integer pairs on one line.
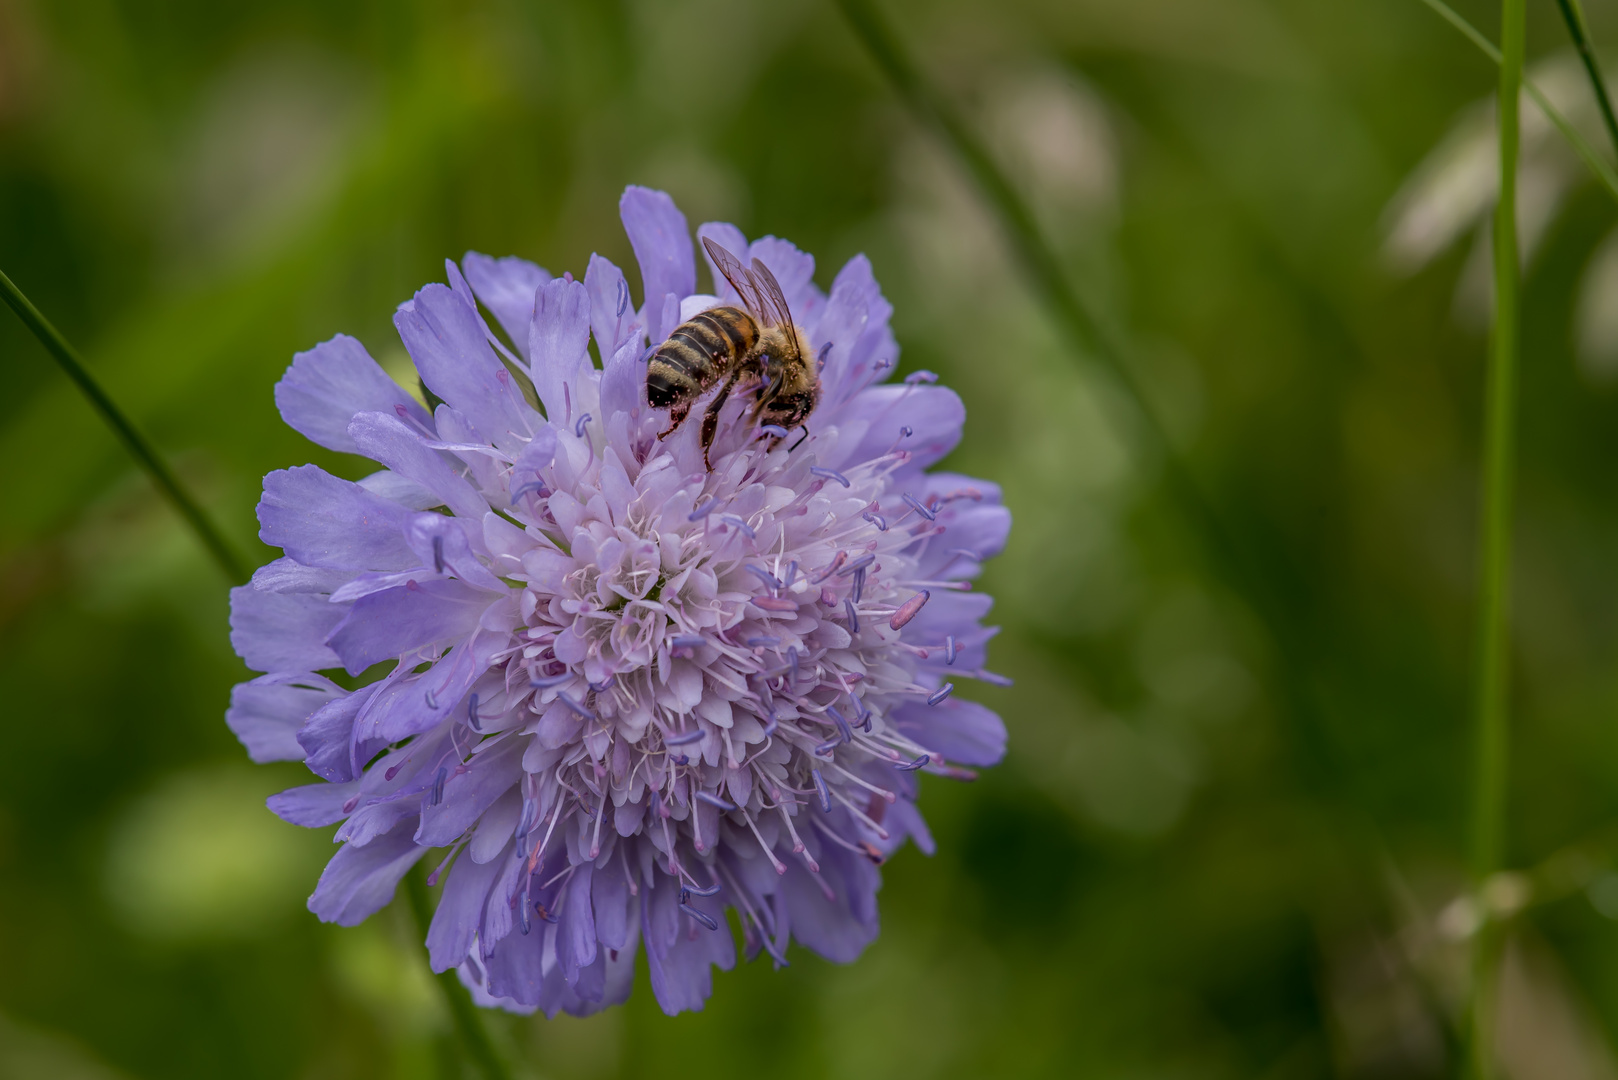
[[698, 354]]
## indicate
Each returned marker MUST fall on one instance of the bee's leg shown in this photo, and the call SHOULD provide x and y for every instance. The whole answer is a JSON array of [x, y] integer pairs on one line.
[[677, 414], [710, 418], [802, 437]]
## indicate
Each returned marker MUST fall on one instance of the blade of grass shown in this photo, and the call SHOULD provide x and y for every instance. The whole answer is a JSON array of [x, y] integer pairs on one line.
[[1229, 560], [456, 996], [1573, 15], [137, 444], [1494, 551], [1602, 171]]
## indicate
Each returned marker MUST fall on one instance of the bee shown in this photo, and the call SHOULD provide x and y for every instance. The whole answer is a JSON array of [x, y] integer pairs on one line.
[[723, 345]]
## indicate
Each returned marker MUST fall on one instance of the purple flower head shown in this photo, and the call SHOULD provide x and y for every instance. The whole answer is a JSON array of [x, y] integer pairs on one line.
[[624, 693]]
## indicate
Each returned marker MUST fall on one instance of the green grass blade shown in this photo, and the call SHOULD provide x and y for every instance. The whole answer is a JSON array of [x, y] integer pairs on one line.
[[144, 453], [1573, 15], [1602, 171], [1492, 687]]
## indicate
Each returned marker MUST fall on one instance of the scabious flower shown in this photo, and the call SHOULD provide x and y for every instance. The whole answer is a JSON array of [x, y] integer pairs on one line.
[[626, 694]]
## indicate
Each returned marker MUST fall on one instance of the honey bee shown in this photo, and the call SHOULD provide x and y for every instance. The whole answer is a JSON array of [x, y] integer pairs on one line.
[[723, 345]]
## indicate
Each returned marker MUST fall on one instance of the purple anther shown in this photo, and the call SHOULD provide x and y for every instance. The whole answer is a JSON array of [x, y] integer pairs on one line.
[[687, 641], [525, 921], [350, 804], [715, 801], [603, 687], [704, 508], [732, 519], [792, 661], [692, 890], [684, 738], [843, 730], [825, 351], [792, 574], [680, 759], [991, 678], [920, 377], [763, 641], [772, 429], [822, 791], [949, 651], [835, 565], [858, 564], [878, 520], [438, 554], [404, 413], [912, 766], [774, 603], [551, 680], [830, 474], [623, 297], [942, 693], [430, 698], [438, 786], [770, 726], [393, 770], [567, 699], [859, 584], [705, 920], [825, 749], [472, 713], [770, 580], [908, 610], [853, 618], [537, 485], [917, 507], [540, 909], [578, 428]]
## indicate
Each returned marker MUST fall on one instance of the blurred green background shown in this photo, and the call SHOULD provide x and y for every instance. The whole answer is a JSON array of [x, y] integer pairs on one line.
[[1220, 846]]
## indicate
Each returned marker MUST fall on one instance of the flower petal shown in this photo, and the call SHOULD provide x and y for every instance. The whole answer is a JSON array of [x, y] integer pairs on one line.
[[281, 631], [460, 912], [321, 520], [388, 624], [961, 730], [444, 337], [506, 287], [326, 386], [359, 881], [607, 288], [559, 347], [386, 439], [662, 242], [266, 713]]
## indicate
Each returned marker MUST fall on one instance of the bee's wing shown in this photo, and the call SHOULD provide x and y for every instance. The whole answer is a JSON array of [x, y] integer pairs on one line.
[[776, 312], [740, 278]]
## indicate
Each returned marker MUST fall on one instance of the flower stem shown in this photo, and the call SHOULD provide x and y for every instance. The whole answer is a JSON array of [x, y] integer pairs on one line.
[[1494, 552], [474, 1039], [136, 443], [1573, 15]]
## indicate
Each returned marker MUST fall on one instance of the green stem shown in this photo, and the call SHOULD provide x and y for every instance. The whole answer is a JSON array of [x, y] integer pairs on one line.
[[461, 1009], [1573, 15], [137, 445], [1592, 160], [1494, 550]]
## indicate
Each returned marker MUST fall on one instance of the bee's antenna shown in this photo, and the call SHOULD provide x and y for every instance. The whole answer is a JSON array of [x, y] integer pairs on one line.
[[799, 443]]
